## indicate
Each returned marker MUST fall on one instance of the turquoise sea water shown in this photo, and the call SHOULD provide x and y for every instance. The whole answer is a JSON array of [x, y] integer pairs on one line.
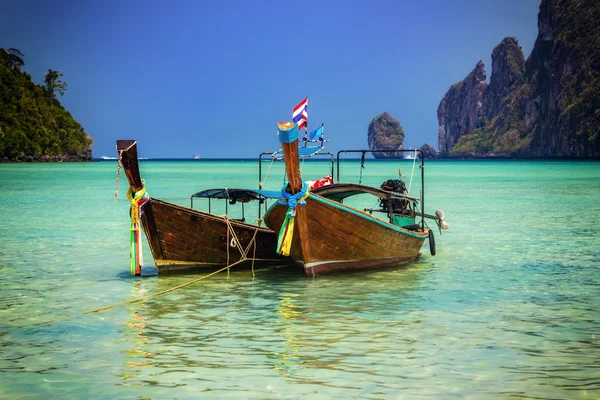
[[508, 308]]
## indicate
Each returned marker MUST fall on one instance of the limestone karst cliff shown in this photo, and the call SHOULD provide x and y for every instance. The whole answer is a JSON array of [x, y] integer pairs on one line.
[[546, 106], [461, 109]]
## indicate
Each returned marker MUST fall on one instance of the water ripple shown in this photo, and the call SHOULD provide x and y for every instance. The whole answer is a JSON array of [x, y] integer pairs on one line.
[[508, 308]]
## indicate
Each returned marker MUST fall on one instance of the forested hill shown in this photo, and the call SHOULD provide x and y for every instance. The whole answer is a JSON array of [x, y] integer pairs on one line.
[[34, 126]]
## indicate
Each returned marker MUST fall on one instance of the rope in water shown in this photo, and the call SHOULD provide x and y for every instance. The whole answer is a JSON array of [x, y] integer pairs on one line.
[[243, 252], [164, 291], [126, 302]]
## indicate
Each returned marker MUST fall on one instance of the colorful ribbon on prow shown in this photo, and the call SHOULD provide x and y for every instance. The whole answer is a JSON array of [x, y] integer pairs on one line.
[[286, 233], [137, 199]]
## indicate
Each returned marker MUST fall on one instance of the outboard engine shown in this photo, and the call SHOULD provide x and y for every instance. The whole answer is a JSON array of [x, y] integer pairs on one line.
[[394, 185], [396, 206]]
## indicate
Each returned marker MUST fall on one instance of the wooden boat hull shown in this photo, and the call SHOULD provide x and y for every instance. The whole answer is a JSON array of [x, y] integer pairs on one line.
[[182, 238], [341, 238]]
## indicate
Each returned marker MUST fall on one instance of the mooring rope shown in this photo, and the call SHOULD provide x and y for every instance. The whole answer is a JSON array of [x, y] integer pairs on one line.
[[264, 183], [234, 241], [164, 291], [227, 245], [238, 245], [118, 174], [254, 252], [412, 172], [126, 302], [243, 253], [362, 166]]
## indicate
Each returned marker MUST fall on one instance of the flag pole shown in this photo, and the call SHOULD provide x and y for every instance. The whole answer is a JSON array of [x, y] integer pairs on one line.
[[306, 123], [322, 134]]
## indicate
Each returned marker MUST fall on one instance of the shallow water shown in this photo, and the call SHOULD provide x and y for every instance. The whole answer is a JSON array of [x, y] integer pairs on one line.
[[509, 306]]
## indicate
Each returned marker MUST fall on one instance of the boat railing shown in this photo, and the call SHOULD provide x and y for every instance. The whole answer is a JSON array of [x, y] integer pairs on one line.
[[270, 154], [273, 158], [233, 196], [362, 159]]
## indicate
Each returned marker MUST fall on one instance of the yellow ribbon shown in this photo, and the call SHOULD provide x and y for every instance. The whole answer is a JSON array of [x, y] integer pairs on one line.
[[286, 241], [135, 208]]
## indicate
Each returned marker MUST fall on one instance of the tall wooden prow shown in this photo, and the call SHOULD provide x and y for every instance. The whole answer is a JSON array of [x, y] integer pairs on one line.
[[128, 156], [288, 137]]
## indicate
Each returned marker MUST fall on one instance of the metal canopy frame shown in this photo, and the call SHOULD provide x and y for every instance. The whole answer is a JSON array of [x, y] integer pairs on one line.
[[363, 152]]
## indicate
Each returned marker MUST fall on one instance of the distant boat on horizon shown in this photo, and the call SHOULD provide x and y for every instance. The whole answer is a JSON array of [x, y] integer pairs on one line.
[[412, 156], [116, 158], [197, 157]]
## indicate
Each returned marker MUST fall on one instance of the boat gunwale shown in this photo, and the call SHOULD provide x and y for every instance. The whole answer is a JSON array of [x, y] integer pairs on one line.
[[359, 213], [207, 215], [362, 189]]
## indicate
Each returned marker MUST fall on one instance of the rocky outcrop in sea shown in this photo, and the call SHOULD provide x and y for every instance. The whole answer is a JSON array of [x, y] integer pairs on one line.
[[428, 151], [386, 133]]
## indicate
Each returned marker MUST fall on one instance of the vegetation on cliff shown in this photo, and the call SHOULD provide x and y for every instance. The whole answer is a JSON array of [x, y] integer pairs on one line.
[[547, 106], [34, 126], [577, 26], [385, 132]]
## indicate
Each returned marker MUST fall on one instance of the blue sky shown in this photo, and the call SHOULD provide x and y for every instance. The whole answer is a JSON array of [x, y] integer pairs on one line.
[[214, 77]]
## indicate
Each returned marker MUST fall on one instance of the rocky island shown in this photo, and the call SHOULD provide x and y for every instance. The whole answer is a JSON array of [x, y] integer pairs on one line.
[[386, 133], [34, 126], [544, 107]]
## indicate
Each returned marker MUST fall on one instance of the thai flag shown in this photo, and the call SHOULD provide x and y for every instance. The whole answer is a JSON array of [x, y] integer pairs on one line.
[[300, 114]]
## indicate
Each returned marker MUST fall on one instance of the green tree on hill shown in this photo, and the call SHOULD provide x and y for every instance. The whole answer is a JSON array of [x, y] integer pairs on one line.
[[54, 83], [33, 123], [15, 59]]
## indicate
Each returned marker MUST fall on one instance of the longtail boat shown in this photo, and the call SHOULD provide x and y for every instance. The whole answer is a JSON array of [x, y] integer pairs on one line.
[[182, 238], [325, 235]]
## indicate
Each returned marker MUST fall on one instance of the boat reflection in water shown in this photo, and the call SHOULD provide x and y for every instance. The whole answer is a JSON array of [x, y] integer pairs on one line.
[[277, 325], [138, 357]]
